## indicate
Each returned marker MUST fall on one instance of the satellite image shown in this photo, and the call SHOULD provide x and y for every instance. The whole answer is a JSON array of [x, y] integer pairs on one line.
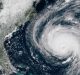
[[40, 37]]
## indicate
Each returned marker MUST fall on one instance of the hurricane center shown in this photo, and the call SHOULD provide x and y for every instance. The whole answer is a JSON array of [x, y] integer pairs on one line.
[[62, 43]]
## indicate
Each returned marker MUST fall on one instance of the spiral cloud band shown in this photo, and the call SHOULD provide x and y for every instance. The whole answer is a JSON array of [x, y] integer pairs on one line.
[[61, 42], [49, 44]]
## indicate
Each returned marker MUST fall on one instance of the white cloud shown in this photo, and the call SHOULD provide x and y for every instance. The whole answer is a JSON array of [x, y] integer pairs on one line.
[[14, 10], [67, 0]]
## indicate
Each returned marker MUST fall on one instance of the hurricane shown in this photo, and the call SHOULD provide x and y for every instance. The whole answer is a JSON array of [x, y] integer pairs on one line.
[[49, 43]]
